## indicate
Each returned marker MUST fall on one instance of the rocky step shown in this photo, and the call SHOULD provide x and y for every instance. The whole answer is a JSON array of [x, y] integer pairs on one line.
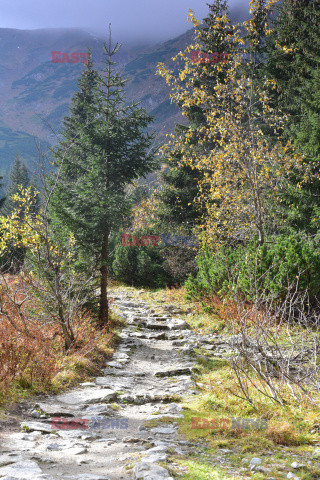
[[88, 396], [173, 324], [149, 471], [23, 470], [142, 399], [172, 372], [50, 410]]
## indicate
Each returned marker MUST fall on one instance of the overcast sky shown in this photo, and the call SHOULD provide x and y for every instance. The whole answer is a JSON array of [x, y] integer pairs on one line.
[[131, 19]]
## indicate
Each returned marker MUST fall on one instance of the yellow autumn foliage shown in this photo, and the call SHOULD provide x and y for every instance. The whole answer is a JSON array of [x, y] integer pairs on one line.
[[242, 171]]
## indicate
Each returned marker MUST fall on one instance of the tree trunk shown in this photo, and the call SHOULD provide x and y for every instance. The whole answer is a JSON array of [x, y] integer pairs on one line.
[[67, 331], [104, 307], [68, 336]]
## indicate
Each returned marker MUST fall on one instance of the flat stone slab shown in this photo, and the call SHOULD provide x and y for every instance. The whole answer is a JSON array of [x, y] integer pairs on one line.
[[180, 342], [157, 336], [54, 410], [154, 325], [142, 399], [20, 444], [88, 396], [123, 373], [6, 459], [117, 384], [164, 430], [151, 335], [99, 409], [87, 476], [147, 471], [71, 434], [26, 469], [159, 448], [177, 324], [43, 476], [155, 457], [37, 427], [171, 372], [76, 451], [121, 356], [114, 364], [55, 447], [172, 408]]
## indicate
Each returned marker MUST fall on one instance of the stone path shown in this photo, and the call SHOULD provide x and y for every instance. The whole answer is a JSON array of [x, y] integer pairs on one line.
[[147, 377]]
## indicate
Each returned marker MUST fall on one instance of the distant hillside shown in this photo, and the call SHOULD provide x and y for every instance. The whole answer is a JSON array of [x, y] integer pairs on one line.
[[151, 89], [35, 93], [13, 142]]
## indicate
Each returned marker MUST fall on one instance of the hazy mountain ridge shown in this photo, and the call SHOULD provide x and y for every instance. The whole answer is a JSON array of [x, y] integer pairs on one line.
[[35, 93]]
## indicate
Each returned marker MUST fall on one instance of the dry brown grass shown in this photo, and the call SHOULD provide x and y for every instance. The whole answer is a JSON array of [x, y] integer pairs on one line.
[[32, 354]]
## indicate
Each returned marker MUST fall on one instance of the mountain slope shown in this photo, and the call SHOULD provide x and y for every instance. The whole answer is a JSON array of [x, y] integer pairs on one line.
[[35, 93]]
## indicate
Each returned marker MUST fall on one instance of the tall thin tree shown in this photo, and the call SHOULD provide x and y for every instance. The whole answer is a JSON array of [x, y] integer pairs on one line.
[[103, 149]]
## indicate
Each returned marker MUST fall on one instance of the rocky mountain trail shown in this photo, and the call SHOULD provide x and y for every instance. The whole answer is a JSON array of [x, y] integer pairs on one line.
[[97, 431], [124, 424]]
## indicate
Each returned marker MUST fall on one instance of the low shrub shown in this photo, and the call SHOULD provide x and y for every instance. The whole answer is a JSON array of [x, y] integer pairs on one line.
[[140, 266], [252, 271]]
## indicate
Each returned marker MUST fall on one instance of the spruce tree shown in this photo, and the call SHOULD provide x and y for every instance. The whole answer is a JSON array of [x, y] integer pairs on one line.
[[103, 149], [18, 178], [293, 63], [178, 211], [2, 200]]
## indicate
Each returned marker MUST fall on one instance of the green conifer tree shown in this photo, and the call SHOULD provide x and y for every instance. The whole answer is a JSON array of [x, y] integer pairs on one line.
[[293, 61], [2, 200], [18, 178], [103, 149]]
